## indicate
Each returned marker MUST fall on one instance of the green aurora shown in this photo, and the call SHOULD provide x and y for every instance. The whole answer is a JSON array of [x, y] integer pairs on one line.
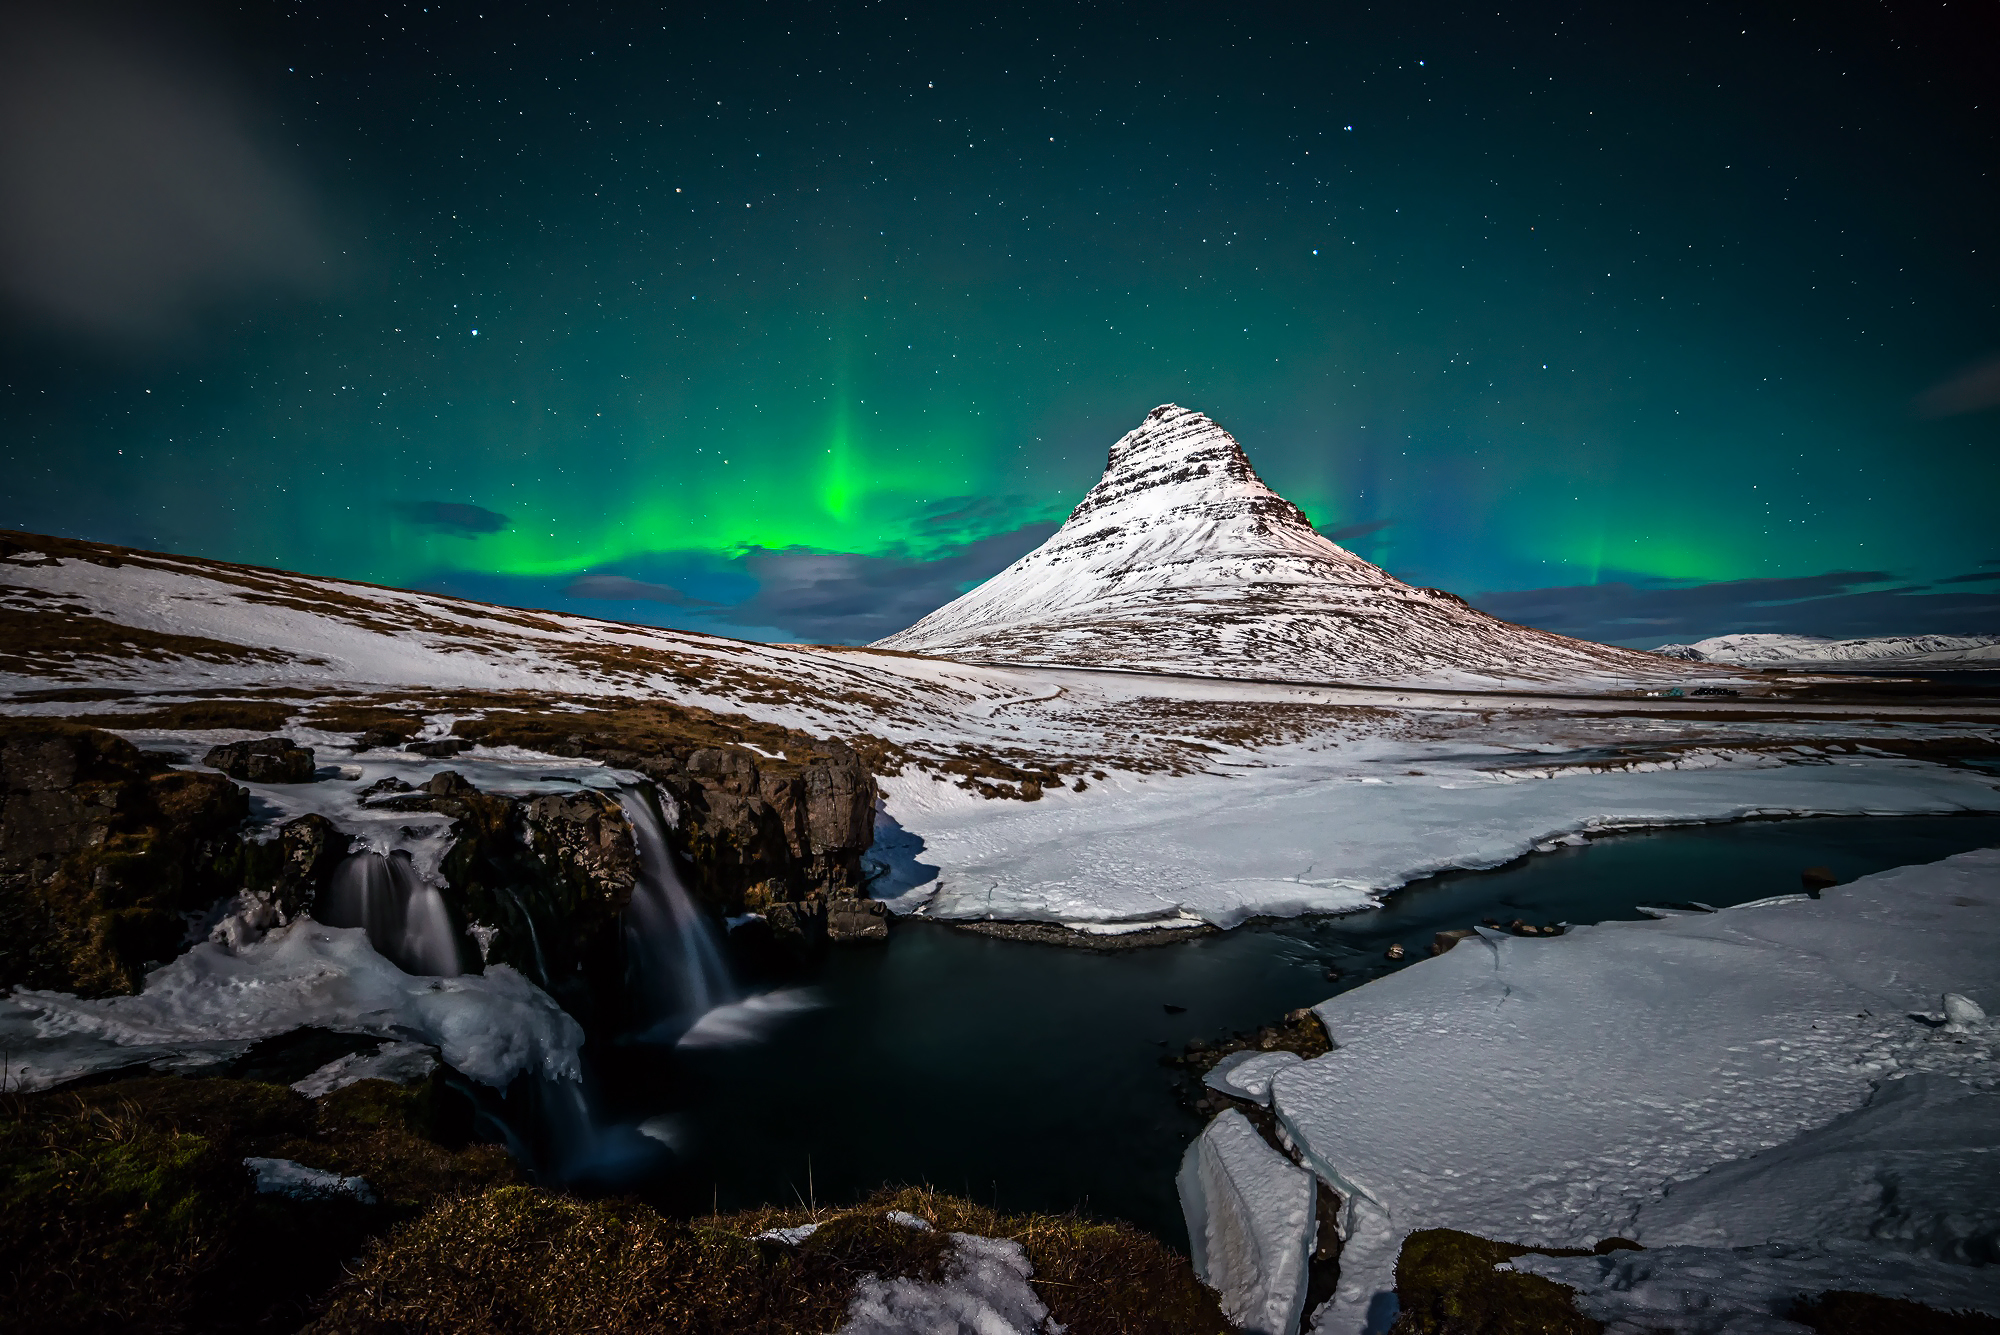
[[798, 320]]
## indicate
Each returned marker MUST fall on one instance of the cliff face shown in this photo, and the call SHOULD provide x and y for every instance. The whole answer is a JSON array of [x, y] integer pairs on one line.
[[1180, 559], [786, 822], [104, 851]]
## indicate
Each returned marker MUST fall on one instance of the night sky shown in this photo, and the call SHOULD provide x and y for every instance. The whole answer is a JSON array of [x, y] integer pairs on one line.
[[1641, 322]]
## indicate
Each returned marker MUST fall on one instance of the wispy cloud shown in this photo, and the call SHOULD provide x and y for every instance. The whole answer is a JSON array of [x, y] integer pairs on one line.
[[451, 517], [1837, 603]]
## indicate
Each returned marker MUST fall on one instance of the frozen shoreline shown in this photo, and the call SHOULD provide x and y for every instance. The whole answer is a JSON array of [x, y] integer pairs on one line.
[[1333, 830], [1558, 1091]]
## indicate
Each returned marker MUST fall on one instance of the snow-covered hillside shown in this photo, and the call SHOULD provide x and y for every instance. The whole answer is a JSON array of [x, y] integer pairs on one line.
[[1884, 651], [1180, 559]]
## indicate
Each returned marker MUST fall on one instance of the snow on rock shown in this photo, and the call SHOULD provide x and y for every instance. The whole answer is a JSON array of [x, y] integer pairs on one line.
[[1247, 1075], [1747, 1291], [985, 1291], [210, 1004], [1548, 1090], [285, 1177], [1329, 831], [1913, 1170], [1180, 559], [1251, 1226], [404, 1063], [1762, 650]]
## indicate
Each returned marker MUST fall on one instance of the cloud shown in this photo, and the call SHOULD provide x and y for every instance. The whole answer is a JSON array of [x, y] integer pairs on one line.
[[458, 520], [1972, 389], [843, 598], [1350, 532], [1974, 578], [623, 589], [132, 189], [1839, 603]]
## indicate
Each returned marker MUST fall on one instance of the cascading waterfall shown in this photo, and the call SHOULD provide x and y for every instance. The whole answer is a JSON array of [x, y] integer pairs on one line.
[[404, 915], [678, 972]]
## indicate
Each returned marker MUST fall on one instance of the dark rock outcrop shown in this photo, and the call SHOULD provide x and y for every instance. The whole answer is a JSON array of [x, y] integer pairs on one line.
[[857, 920], [105, 855], [545, 879], [266, 760], [758, 829]]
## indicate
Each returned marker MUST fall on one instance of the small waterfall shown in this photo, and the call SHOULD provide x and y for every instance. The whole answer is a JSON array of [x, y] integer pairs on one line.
[[404, 915], [678, 973]]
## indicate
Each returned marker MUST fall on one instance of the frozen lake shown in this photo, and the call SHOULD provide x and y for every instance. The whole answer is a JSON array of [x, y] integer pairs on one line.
[[1029, 1075]]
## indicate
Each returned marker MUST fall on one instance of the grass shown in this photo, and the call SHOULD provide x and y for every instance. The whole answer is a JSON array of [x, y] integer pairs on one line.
[[526, 1262]]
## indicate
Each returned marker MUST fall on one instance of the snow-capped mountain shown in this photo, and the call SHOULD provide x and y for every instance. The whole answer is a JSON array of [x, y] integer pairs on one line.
[[1874, 651], [1180, 559]]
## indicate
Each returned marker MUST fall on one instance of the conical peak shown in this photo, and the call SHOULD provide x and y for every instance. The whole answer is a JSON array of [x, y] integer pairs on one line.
[[1172, 437], [1181, 459]]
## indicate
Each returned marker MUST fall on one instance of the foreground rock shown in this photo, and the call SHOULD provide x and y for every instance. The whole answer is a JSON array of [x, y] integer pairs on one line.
[[104, 852], [268, 760]]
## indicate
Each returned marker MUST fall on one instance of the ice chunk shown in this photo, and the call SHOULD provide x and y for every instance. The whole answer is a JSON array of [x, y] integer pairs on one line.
[[1250, 1224], [985, 1291], [908, 1220], [1248, 1075], [1961, 1013], [404, 1063], [791, 1237], [212, 1003], [287, 1177]]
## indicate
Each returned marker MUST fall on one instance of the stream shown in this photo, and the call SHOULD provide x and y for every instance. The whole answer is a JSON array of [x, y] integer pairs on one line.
[[1029, 1076]]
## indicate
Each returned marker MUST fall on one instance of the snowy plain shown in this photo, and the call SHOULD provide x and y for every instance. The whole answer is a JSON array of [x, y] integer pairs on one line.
[[1681, 1082]]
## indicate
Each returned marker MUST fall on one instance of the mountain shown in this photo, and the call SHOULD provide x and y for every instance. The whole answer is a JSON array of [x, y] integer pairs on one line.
[[1180, 559], [1884, 651]]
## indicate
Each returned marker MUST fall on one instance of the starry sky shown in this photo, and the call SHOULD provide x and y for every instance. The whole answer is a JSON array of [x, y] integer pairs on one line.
[[1642, 323]]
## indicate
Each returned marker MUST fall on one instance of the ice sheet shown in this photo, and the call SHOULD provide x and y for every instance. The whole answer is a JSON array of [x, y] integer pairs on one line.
[[1329, 831], [1547, 1090], [211, 1004]]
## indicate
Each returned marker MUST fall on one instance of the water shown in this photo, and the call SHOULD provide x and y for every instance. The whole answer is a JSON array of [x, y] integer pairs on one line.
[[1029, 1076], [404, 915], [675, 967]]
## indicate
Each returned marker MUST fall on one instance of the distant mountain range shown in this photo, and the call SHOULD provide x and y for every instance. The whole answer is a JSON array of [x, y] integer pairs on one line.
[[1181, 559], [1883, 651]]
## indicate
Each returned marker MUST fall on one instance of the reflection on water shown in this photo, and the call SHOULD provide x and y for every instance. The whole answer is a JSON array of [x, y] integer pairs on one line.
[[1029, 1075]]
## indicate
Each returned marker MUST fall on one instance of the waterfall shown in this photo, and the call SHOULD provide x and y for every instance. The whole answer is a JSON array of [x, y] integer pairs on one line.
[[678, 973], [404, 915]]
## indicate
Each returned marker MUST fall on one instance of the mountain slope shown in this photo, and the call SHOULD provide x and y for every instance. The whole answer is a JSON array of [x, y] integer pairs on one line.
[[1768, 650], [1180, 559]]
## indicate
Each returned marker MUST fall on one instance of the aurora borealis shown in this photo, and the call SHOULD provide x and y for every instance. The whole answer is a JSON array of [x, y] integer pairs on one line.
[[791, 321]]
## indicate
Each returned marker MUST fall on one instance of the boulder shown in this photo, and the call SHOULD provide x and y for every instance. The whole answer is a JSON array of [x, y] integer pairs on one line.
[[104, 853], [857, 920], [1444, 941], [266, 760]]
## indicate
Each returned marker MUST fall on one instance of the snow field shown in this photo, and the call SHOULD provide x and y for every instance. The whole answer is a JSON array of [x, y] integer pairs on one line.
[[1557, 1091]]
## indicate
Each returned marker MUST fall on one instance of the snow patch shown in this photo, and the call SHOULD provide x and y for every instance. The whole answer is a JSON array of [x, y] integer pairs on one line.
[[985, 1291]]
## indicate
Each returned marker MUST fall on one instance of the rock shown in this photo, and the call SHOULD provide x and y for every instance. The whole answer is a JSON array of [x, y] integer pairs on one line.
[[1394, 952], [388, 783], [857, 920], [104, 852], [266, 760], [1444, 941], [1962, 1014], [797, 929], [1815, 879], [442, 748]]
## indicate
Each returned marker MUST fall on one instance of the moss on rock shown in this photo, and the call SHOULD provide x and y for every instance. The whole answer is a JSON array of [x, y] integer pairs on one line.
[[524, 1260], [1446, 1285]]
